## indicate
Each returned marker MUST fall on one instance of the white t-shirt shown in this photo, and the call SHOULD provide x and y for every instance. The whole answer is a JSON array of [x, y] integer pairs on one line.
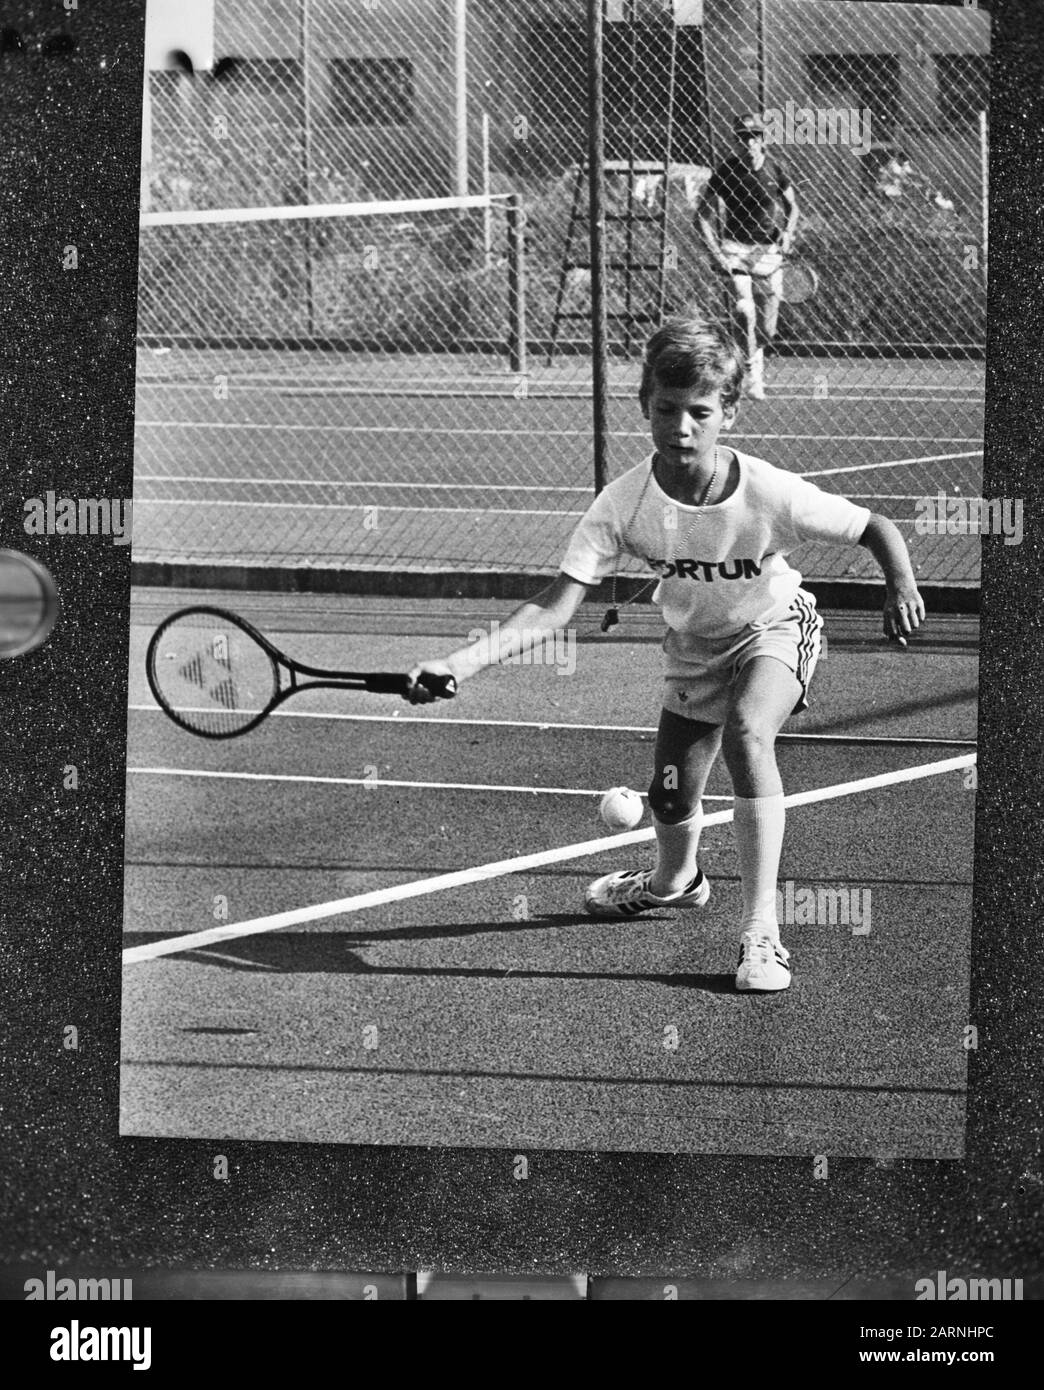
[[721, 567]]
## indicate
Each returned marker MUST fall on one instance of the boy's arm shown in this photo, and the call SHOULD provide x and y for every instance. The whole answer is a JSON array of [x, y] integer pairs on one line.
[[544, 614], [904, 607]]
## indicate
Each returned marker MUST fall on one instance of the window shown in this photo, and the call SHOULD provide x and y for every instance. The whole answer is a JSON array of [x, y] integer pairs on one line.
[[372, 91], [868, 81], [963, 81], [637, 67]]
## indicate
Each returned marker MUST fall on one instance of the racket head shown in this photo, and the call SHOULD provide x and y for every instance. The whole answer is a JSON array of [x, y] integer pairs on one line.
[[800, 282], [212, 673]]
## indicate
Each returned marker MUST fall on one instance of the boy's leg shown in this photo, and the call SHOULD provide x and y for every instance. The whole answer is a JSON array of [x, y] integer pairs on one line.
[[767, 302], [765, 694], [685, 753], [771, 299], [744, 313]]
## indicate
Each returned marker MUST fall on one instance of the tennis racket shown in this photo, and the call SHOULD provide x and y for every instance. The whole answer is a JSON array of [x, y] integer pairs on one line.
[[800, 280], [216, 676]]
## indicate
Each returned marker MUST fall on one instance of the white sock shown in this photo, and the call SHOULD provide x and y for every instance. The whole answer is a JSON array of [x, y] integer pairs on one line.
[[676, 847], [759, 822]]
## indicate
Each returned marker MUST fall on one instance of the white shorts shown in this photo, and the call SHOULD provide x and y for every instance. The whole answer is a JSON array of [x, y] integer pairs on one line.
[[763, 260], [700, 680]]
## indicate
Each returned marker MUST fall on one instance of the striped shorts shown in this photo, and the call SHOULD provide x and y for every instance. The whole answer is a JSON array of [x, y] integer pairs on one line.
[[700, 679]]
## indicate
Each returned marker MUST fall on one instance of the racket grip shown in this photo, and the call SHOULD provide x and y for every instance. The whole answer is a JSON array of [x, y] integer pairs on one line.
[[443, 687]]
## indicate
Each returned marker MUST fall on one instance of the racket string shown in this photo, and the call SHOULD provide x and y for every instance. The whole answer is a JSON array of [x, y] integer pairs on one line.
[[212, 676]]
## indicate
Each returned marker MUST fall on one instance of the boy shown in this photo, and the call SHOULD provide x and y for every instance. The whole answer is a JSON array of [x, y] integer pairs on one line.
[[748, 190], [742, 635]]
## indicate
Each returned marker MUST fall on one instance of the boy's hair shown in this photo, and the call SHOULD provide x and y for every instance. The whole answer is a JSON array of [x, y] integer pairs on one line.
[[690, 352]]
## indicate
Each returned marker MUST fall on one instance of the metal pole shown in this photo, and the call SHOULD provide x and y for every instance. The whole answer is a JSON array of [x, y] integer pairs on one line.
[[984, 163], [596, 180], [460, 97], [306, 156], [487, 211], [668, 151], [516, 218]]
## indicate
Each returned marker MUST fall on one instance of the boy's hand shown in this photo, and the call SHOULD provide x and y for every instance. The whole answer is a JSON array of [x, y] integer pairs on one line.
[[418, 694], [903, 613]]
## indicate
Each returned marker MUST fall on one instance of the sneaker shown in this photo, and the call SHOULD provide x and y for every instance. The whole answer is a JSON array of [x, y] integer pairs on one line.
[[626, 893], [763, 963]]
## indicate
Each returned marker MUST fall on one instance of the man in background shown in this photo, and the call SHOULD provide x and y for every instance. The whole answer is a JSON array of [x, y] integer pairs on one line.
[[752, 199]]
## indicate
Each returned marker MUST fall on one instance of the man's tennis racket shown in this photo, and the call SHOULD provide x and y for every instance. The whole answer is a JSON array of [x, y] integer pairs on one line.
[[799, 280], [217, 676]]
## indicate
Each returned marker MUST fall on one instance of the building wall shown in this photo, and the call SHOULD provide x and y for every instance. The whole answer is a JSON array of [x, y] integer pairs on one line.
[[914, 34], [510, 81]]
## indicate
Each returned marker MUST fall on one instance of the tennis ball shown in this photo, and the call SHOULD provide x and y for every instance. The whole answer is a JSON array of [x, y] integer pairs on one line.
[[621, 808]]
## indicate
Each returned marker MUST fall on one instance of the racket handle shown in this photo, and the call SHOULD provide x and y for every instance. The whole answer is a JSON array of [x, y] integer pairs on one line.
[[442, 687]]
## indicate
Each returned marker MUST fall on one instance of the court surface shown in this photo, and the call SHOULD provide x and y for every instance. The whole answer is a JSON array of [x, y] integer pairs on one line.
[[490, 1010], [323, 460]]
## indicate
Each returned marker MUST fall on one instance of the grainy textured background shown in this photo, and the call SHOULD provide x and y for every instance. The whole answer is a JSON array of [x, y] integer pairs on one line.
[[74, 1194]]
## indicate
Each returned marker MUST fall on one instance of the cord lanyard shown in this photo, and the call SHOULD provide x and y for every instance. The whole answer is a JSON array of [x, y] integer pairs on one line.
[[612, 613]]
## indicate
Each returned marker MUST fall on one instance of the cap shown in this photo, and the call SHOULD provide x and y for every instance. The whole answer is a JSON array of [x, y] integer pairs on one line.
[[748, 124]]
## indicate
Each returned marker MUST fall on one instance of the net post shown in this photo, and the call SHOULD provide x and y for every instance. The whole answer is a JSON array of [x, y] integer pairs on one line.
[[596, 188], [516, 218]]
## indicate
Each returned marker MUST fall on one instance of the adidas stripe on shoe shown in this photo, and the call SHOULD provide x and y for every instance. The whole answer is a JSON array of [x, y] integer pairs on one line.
[[763, 963], [626, 893]]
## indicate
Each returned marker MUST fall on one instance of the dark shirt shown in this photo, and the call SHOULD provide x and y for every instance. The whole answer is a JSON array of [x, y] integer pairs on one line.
[[751, 198]]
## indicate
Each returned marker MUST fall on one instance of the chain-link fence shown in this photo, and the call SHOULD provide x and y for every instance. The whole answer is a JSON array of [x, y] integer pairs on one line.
[[409, 386]]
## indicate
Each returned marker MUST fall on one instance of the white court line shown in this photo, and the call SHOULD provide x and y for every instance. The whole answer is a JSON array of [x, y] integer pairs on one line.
[[387, 507], [231, 480], [513, 511], [545, 726], [892, 463], [885, 393], [478, 873], [287, 387], [327, 482], [153, 708], [374, 782], [342, 507], [502, 487], [425, 431]]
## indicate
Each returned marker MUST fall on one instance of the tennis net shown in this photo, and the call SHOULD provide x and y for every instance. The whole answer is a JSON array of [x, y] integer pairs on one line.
[[429, 274]]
